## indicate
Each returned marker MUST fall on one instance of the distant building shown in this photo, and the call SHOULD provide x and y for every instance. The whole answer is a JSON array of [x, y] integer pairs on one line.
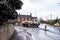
[[25, 18], [50, 21]]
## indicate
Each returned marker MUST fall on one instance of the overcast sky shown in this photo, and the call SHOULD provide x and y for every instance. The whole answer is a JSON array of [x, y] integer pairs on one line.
[[41, 8]]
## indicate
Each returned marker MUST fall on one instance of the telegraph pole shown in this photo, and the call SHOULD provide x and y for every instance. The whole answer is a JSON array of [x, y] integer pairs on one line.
[[51, 16]]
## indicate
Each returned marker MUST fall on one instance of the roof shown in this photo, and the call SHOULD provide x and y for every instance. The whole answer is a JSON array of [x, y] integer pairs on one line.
[[24, 16], [58, 19], [34, 17], [27, 16]]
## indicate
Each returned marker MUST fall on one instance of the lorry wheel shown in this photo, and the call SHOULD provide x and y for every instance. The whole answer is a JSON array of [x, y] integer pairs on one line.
[[37, 26]]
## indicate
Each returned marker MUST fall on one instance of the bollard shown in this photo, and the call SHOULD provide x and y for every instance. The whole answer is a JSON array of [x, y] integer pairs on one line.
[[45, 27]]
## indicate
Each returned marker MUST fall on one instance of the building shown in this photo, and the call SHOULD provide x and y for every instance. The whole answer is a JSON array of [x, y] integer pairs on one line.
[[25, 18]]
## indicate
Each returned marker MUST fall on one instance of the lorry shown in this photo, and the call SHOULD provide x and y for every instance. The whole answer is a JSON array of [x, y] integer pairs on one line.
[[33, 23]]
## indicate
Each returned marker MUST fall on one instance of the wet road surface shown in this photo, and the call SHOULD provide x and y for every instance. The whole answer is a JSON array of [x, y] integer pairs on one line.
[[28, 33]]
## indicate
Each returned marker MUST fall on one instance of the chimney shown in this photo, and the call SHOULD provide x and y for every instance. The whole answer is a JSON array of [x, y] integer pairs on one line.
[[31, 14], [19, 13]]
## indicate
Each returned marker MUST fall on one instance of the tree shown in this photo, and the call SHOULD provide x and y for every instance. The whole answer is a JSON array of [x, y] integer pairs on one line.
[[7, 10]]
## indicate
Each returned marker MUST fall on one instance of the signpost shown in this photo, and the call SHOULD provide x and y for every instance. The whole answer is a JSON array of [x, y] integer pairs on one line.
[[59, 22]]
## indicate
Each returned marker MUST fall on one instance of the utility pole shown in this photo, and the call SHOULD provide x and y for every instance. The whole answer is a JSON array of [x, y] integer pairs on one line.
[[59, 22], [51, 16]]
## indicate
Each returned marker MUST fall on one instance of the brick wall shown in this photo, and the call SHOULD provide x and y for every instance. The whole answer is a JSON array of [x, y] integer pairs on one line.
[[6, 32], [20, 20]]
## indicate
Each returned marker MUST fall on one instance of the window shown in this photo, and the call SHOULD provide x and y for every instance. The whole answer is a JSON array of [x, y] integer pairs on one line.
[[23, 19], [27, 18]]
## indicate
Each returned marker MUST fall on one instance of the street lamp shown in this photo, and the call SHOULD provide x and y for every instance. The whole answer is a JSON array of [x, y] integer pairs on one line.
[[59, 22]]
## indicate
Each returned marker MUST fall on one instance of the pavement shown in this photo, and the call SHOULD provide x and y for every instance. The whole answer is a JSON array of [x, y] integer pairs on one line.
[[21, 35]]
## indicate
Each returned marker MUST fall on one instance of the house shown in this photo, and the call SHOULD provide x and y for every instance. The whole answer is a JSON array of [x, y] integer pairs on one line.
[[25, 18], [56, 24]]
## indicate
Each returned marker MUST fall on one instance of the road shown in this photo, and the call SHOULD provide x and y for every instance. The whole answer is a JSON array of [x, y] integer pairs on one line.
[[52, 33]]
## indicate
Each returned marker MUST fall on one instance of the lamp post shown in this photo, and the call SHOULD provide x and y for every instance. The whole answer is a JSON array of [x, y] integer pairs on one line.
[[59, 22]]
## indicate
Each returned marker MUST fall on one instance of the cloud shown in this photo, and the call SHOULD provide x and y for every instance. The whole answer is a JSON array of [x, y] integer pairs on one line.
[[41, 8]]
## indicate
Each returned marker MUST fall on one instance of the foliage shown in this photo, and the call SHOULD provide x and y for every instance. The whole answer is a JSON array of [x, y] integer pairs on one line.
[[7, 10]]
